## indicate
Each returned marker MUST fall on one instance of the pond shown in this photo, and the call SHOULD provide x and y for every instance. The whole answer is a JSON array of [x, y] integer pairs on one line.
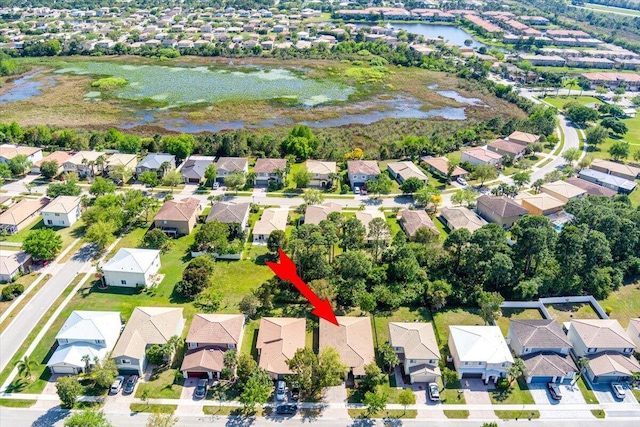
[[177, 86], [25, 87], [449, 33]]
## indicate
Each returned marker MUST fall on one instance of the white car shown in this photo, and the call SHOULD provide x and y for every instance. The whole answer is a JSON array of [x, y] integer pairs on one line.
[[434, 392], [281, 388], [461, 181], [618, 390], [356, 190], [216, 185], [117, 385]]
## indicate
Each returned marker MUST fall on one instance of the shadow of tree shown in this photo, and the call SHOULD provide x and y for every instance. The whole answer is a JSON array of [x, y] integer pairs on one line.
[[51, 417]]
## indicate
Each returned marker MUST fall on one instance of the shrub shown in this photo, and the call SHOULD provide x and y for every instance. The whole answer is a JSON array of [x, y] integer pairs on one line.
[[503, 383], [226, 374], [12, 291], [608, 310]]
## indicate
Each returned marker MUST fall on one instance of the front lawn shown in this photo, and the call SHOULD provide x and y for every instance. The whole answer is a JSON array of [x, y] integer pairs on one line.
[[153, 408], [457, 414], [517, 394], [589, 395], [515, 415], [161, 386], [452, 394]]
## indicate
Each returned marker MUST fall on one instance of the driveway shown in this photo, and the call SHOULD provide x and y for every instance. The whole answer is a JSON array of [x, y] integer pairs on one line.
[[476, 393], [337, 394], [604, 394], [570, 394]]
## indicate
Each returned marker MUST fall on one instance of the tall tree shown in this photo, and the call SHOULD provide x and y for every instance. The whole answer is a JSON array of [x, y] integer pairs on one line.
[[87, 418], [379, 235], [489, 303], [257, 389], [484, 173], [535, 238], [43, 244]]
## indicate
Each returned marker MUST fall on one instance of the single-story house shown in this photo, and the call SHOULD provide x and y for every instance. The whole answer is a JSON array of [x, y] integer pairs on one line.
[[591, 188], [523, 138], [365, 217], [417, 349], [230, 213], [544, 349], [13, 263], [85, 333], [278, 340], [270, 170], [8, 152], [620, 185], [563, 191], [461, 217], [57, 156], [271, 220], [147, 326], [401, 171], [633, 330], [209, 337], [225, 166], [361, 171], [507, 148], [412, 221], [194, 168], [616, 169], [321, 172], [63, 211], [178, 217], [481, 156], [501, 210], [314, 214], [153, 162], [131, 268], [352, 339], [479, 352], [440, 166], [21, 214], [129, 161], [540, 204], [84, 163]]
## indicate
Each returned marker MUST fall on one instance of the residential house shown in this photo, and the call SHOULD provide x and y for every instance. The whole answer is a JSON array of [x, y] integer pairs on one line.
[[194, 168], [8, 152], [178, 217], [460, 217], [271, 220], [21, 214], [267, 170], [562, 190], [129, 161], [616, 169], [361, 171], [591, 188], [365, 217], [57, 156], [479, 352], [633, 330], [481, 156], [401, 171], [154, 162], [523, 138], [544, 349], [321, 171], [501, 210], [147, 326], [352, 339], [225, 166], [417, 349], [630, 81], [63, 211], [540, 204], [209, 337], [617, 184], [85, 334], [607, 346], [314, 214], [413, 220], [440, 166], [230, 213], [83, 163], [131, 268], [507, 148], [278, 340], [13, 263]]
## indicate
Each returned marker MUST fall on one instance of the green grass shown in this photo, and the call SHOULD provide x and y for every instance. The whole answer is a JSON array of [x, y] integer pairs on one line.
[[161, 387], [520, 414], [598, 413], [517, 394], [608, 9], [560, 101], [516, 313], [589, 395], [636, 393], [566, 312], [390, 413], [153, 408], [17, 403], [235, 410], [394, 225], [456, 414], [20, 235], [450, 395], [25, 281], [457, 316], [624, 303], [250, 338]]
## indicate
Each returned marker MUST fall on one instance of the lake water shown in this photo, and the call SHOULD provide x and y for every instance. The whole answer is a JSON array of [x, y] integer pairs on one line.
[[449, 33], [24, 88], [452, 94], [188, 85]]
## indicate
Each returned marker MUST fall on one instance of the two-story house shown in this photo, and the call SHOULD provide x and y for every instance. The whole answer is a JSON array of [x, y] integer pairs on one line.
[[85, 333], [84, 163], [209, 337], [267, 170], [194, 169], [417, 349], [63, 211], [361, 171], [278, 340], [607, 346], [225, 166], [500, 209], [321, 172], [352, 339], [178, 217], [544, 349], [160, 163], [479, 352]]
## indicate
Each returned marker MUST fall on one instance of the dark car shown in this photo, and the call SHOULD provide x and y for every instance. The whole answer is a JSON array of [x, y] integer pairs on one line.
[[201, 389], [554, 391], [295, 393], [286, 409], [130, 384]]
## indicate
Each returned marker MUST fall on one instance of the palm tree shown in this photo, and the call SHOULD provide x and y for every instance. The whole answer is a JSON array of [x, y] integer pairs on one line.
[[87, 362], [26, 366], [164, 167], [280, 173], [571, 82], [516, 370], [92, 165], [100, 162], [251, 177], [583, 365], [333, 177]]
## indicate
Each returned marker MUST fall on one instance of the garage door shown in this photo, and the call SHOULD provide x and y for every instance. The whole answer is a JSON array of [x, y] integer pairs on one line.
[[127, 372], [541, 379], [472, 375], [196, 374], [64, 370]]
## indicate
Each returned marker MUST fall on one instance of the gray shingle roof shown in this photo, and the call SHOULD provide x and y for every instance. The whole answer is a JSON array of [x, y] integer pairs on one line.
[[502, 205], [548, 365], [228, 212], [539, 333]]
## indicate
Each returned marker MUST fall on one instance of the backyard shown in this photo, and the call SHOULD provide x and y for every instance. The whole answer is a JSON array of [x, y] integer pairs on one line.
[[565, 312], [516, 313]]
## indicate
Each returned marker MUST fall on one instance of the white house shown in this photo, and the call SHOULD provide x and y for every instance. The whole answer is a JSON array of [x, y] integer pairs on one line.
[[417, 349], [479, 352], [63, 211], [132, 267], [85, 333]]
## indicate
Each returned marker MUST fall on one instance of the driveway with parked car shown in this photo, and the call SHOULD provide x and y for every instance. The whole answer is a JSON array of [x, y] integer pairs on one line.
[[604, 394], [570, 394]]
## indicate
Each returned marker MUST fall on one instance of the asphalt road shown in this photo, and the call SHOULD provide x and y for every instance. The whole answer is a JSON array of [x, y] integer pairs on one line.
[[29, 316], [571, 140]]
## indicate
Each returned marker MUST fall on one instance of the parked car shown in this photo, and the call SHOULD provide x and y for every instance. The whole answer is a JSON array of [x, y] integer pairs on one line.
[[462, 181], [289, 409], [356, 190], [201, 389], [117, 385], [618, 390], [216, 185], [554, 391], [434, 392], [295, 393], [281, 388], [130, 384]]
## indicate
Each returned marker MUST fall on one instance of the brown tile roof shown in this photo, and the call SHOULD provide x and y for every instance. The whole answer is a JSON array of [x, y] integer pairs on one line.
[[539, 333], [178, 210], [216, 329], [621, 168], [611, 363], [441, 164], [548, 364], [278, 340], [203, 359], [58, 156], [602, 333], [269, 165], [22, 211], [416, 338], [9, 152], [506, 146], [502, 205], [591, 188], [352, 339], [413, 220], [407, 170], [527, 138], [314, 214], [363, 167]]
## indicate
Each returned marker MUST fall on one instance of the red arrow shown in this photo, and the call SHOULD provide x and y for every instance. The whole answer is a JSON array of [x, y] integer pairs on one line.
[[286, 270]]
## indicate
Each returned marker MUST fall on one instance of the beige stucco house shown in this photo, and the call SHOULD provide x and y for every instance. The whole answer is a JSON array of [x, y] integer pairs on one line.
[[417, 349], [178, 217]]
